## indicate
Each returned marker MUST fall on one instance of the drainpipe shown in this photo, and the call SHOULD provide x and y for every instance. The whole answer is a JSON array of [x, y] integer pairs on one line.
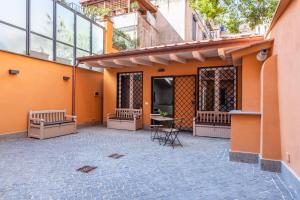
[[74, 88]]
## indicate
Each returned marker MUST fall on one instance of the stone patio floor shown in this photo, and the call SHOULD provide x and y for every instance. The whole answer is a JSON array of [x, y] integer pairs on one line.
[[35, 169]]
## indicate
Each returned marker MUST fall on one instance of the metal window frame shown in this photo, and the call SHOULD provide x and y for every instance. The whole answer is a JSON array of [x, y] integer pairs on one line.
[[28, 31]]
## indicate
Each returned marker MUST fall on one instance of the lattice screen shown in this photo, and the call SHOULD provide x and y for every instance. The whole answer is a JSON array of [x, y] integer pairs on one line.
[[130, 90], [217, 89]]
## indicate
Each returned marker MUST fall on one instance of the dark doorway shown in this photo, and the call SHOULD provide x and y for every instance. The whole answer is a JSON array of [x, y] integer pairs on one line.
[[175, 95], [163, 95]]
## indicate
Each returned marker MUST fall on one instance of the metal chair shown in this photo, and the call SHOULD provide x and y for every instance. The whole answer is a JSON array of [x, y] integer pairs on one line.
[[171, 133], [155, 128]]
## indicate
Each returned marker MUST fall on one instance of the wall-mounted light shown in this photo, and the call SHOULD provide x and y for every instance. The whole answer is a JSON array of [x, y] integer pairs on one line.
[[13, 72], [66, 78], [262, 55], [161, 70]]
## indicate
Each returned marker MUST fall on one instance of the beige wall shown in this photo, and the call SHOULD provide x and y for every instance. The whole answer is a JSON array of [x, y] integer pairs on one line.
[[287, 48]]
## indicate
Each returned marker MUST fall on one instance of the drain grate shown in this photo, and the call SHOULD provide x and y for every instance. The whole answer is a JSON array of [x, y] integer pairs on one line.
[[116, 156], [86, 169]]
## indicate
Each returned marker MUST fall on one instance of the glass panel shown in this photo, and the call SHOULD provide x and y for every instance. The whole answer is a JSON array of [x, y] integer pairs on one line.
[[42, 17], [83, 33], [65, 25], [64, 53], [12, 39], [97, 40], [41, 47], [80, 53], [163, 95], [14, 12]]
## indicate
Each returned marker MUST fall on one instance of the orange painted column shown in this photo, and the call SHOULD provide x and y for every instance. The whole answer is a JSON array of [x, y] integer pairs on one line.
[[270, 147], [109, 30], [245, 133]]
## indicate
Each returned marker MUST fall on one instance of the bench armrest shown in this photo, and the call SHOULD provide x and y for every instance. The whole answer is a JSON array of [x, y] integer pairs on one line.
[[111, 115], [72, 117], [37, 119]]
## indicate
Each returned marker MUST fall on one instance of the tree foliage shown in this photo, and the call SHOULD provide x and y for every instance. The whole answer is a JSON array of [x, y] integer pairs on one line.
[[233, 13]]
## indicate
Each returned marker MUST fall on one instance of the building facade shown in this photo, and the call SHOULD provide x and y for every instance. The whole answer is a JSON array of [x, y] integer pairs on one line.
[[157, 22]]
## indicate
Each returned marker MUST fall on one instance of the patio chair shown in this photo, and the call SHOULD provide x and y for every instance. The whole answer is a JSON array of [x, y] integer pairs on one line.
[[155, 128], [171, 133]]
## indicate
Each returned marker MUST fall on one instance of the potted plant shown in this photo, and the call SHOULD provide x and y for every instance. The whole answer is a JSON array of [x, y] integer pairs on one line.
[[104, 12], [134, 6], [162, 113]]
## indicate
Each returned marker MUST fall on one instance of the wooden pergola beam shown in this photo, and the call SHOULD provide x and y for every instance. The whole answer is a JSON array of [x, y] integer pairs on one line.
[[222, 53], [107, 64], [198, 56], [158, 60], [140, 61], [124, 63], [176, 58]]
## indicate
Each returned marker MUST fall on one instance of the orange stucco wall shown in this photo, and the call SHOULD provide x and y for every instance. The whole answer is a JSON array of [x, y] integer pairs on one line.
[[109, 30], [251, 83], [287, 48], [245, 133], [40, 85], [88, 105], [173, 69], [270, 127]]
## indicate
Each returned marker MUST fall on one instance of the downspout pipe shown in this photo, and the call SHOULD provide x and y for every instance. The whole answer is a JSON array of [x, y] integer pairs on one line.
[[74, 88]]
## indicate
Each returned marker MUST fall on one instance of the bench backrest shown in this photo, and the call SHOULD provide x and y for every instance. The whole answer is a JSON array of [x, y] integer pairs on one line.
[[127, 113], [48, 115], [213, 117]]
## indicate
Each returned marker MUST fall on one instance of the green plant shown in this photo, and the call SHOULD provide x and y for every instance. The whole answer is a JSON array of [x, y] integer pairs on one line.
[[233, 13], [122, 41], [162, 113], [94, 11], [134, 5], [104, 12]]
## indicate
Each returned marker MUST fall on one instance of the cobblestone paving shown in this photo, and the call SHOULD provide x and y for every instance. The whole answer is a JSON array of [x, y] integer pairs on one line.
[[34, 169]]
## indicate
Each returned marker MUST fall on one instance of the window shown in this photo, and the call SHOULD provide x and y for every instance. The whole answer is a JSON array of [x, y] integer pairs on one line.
[[65, 25], [41, 47], [37, 39], [42, 17], [217, 89], [130, 90], [64, 53], [97, 40], [83, 33], [18, 16], [12, 39]]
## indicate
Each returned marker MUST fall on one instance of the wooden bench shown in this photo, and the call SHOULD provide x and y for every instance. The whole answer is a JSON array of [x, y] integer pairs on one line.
[[212, 124], [125, 119], [50, 123]]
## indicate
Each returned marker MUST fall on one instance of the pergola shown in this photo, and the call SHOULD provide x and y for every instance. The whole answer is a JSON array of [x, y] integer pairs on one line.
[[179, 53]]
